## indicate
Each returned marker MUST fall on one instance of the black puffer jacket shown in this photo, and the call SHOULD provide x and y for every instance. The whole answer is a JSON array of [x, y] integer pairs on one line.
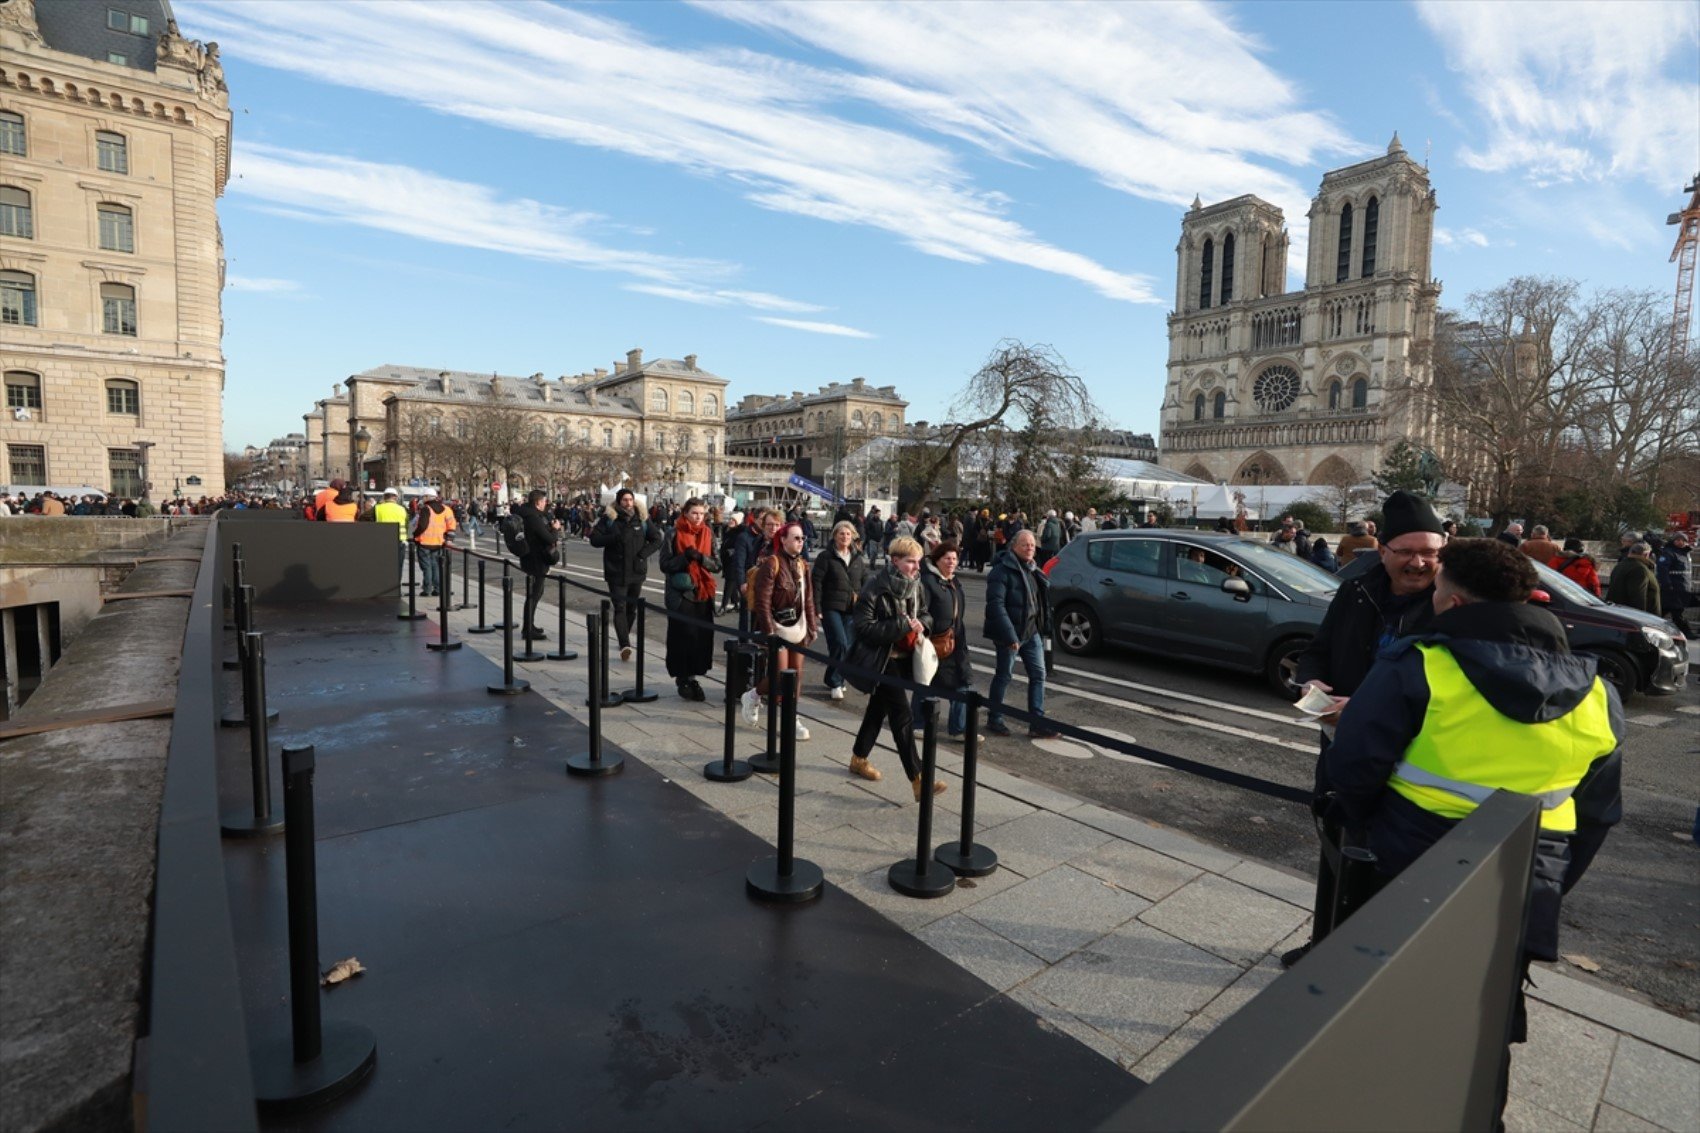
[[627, 541], [946, 607], [540, 539], [883, 610], [837, 583]]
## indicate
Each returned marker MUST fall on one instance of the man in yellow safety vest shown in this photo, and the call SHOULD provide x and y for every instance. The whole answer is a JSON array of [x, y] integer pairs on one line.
[[391, 511]]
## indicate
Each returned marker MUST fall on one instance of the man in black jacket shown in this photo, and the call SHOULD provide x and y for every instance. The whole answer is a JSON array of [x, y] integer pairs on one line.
[[627, 540], [541, 533]]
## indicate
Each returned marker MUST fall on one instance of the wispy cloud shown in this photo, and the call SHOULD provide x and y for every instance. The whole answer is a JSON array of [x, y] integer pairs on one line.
[[1578, 92], [760, 300], [812, 327], [257, 283], [1160, 101], [1447, 238]]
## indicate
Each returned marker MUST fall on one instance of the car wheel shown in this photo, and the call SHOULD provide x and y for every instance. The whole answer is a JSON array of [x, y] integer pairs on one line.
[[1077, 630], [1619, 672], [1282, 667]]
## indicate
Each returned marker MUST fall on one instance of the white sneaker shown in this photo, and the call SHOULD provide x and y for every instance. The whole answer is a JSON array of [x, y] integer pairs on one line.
[[802, 733], [836, 693], [752, 704]]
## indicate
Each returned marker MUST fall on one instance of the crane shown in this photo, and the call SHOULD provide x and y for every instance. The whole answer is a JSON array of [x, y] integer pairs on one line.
[[1687, 243]]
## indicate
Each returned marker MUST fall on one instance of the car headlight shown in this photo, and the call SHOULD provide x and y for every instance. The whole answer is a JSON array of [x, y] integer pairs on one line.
[[1658, 638]]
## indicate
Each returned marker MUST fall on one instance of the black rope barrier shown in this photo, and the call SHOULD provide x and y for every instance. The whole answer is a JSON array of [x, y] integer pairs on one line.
[[412, 614], [444, 585], [509, 686], [962, 857], [589, 763]]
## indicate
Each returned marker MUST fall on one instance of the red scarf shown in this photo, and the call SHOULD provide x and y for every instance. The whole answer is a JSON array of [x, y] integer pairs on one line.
[[688, 535]]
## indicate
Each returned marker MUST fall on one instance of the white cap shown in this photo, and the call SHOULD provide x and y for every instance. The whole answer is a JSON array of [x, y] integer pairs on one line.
[[391, 492], [428, 493]]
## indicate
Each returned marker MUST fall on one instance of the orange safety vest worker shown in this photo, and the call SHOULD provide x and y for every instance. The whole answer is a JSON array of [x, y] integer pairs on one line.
[[437, 526], [334, 512], [320, 498]]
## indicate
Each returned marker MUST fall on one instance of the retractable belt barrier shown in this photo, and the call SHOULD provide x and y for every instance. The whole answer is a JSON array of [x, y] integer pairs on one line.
[[1282, 791]]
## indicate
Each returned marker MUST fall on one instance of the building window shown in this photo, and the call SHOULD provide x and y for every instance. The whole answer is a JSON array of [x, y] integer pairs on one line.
[[1198, 408], [17, 217], [125, 466], [1227, 268], [1360, 394], [1221, 407], [584, 432], [117, 309], [631, 438], [118, 57], [710, 405], [1334, 391], [687, 402], [124, 397], [435, 426], [460, 428], [124, 21], [607, 438], [1343, 264], [708, 443], [12, 134], [1372, 217], [876, 422], [17, 299], [1276, 389], [857, 421], [1206, 273], [658, 401], [112, 152], [28, 463], [561, 436], [23, 390], [117, 228]]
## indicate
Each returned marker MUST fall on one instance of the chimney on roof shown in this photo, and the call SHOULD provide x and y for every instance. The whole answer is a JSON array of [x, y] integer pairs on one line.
[[796, 395], [860, 383], [690, 361], [601, 373], [443, 381], [634, 358], [495, 385], [336, 389]]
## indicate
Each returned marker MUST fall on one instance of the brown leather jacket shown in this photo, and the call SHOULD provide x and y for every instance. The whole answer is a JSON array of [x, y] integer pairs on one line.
[[777, 588]]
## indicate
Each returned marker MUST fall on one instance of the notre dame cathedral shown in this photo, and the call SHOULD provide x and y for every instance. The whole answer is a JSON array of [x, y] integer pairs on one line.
[[1267, 386]]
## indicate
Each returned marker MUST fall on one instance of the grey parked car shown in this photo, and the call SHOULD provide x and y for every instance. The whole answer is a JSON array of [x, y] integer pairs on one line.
[[1206, 597]]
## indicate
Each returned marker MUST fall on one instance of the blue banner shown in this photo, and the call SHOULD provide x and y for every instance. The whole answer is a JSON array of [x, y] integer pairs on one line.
[[804, 484]]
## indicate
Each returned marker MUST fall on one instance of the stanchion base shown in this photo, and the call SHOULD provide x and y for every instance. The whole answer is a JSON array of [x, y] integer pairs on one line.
[[718, 771], [980, 860], [584, 767], [637, 696], [806, 882], [504, 625], [242, 721], [442, 646], [479, 629], [612, 700], [231, 664], [348, 1052], [413, 617], [459, 606], [764, 764], [934, 880], [514, 689], [245, 825], [529, 656], [563, 655]]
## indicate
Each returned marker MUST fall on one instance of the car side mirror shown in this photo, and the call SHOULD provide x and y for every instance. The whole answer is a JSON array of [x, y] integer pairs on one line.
[[1238, 587]]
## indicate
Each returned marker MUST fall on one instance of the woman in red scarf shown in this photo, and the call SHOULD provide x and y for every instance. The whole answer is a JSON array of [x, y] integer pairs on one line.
[[689, 562]]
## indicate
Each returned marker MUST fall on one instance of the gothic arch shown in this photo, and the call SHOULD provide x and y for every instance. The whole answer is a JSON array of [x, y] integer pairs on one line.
[[1334, 470], [1261, 468], [1198, 472]]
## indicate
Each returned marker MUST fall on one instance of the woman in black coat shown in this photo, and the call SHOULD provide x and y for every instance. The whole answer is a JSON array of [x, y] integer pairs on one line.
[[690, 566], [946, 607], [889, 610], [839, 573]]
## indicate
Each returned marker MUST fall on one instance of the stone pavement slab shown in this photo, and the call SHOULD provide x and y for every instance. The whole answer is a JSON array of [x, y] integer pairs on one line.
[[1057, 912], [1035, 843], [1654, 1084], [1564, 1065], [1231, 920], [982, 951], [1136, 869], [1611, 1120]]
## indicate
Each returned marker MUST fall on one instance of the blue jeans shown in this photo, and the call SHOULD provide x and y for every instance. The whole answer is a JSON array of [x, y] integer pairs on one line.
[[956, 720], [430, 569], [838, 635], [1032, 654]]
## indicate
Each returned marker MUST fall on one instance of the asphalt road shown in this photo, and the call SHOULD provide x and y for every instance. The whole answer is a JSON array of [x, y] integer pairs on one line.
[[1636, 914]]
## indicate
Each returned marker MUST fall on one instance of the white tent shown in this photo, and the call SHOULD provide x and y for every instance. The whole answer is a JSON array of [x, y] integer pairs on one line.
[[1207, 501]]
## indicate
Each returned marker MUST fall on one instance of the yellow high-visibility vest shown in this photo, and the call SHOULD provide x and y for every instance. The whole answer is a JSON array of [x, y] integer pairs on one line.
[[388, 512]]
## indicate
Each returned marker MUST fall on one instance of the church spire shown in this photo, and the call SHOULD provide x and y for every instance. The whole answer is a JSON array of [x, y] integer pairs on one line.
[[1395, 146]]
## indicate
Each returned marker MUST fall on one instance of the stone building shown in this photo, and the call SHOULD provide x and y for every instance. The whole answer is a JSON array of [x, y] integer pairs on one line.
[[1314, 386], [114, 149], [815, 432]]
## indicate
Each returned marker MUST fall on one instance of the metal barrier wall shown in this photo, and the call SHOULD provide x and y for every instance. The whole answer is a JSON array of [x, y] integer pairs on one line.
[[192, 1067], [294, 561], [1398, 1020]]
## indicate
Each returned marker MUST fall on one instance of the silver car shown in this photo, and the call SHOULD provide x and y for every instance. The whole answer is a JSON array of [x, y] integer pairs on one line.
[[1216, 598]]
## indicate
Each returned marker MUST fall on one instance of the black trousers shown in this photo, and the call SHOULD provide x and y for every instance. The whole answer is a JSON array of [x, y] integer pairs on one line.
[[534, 584], [890, 704], [626, 599]]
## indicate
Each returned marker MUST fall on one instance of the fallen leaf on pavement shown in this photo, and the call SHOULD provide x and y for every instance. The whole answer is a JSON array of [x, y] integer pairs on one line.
[[1582, 962], [343, 970]]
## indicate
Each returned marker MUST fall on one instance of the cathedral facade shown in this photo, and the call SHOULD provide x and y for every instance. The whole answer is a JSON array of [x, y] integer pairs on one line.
[[1267, 386]]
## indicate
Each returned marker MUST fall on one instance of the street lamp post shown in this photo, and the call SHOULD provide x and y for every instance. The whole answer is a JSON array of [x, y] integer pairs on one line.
[[142, 448], [362, 443]]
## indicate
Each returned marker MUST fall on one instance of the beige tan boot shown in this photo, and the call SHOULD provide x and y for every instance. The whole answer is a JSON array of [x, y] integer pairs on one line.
[[938, 788], [859, 766]]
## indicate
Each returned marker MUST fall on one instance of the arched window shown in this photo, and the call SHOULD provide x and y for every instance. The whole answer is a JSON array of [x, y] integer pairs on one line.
[[661, 439], [1220, 410], [1334, 390], [1372, 217], [687, 401], [1198, 408], [1360, 394], [123, 397], [658, 400], [17, 216], [436, 426], [17, 299], [710, 405], [708, 442], [1343, 263], [630, 438], [1206, 273], [117, 309], [560, 435], [1227, 268], [12, 140], [876, 422], [23, 390], [117, 227], [111, 151]]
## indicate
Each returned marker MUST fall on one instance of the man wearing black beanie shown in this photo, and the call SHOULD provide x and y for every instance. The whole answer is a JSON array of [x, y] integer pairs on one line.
[[1390, 600]]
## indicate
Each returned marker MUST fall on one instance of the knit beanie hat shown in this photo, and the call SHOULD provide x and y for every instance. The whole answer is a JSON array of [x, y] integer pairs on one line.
[[1407, 513]]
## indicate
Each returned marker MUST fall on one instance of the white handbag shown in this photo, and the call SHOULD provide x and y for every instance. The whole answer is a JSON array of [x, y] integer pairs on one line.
[[926, 660]]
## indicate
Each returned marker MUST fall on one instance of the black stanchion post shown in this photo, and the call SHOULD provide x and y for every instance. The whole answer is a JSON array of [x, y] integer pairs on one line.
[[507, 580], [509, 685], [412, 614], [530, 654], [605, 696], [729, 769], [239, 617], [244, 638], [443, 644], [922, 876], [323, 1060], [635, 694], [785, 877], [589, 763], [562, 653], [768, 761], [482, 626], [465, 579], [235, 581], [261, 821], [963, 857]]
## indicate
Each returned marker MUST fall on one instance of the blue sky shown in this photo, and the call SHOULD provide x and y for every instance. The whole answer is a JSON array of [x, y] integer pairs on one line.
[[802, 193]]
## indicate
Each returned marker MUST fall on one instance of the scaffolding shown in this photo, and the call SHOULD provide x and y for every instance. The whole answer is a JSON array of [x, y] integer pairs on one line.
[[1683, 255]]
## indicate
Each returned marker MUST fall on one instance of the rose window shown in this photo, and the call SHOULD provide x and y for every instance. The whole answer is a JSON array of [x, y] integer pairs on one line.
[[1276, 388]]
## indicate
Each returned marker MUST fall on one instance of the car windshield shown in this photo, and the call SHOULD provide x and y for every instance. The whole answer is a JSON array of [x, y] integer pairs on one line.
[[1554, 583], [1286, 570]]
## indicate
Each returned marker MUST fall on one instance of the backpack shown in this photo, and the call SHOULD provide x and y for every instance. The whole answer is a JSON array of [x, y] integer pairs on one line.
[[512, 528]]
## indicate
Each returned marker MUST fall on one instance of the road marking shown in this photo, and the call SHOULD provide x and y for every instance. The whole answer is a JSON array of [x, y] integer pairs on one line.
[[1648, 719]]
